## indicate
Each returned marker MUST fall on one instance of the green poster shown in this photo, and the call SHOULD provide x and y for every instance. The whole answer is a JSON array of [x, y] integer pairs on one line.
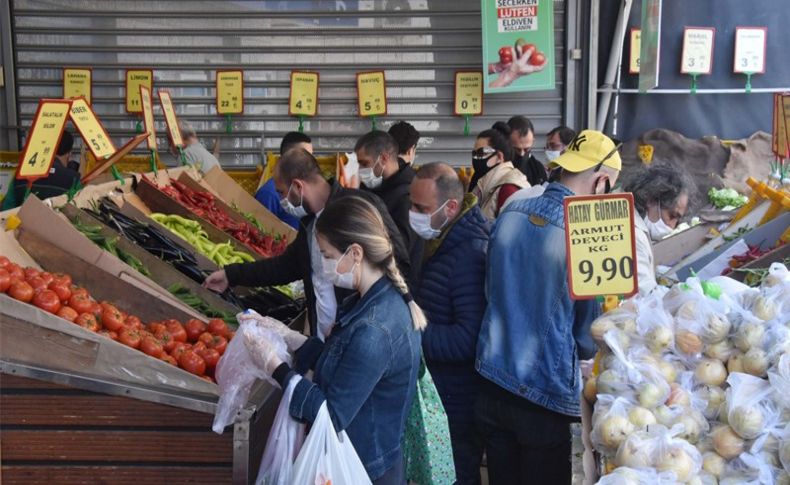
[[518, 45]]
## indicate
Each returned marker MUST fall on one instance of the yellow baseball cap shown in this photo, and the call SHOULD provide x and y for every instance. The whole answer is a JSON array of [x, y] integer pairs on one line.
[[587, 150]]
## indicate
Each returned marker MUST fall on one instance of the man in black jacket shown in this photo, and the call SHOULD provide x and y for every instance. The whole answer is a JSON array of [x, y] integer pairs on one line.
[[385, 174], [305, 194], [522, 137]]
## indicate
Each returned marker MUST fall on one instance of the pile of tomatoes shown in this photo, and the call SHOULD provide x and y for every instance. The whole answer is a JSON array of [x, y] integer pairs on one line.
[[195, 346]]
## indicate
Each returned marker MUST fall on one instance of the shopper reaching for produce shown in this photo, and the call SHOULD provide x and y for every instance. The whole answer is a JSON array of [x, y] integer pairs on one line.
[[366, 371], [305, 194]]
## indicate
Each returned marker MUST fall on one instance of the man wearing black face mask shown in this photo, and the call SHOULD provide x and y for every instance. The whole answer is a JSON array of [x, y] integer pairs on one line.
[[521, 134]]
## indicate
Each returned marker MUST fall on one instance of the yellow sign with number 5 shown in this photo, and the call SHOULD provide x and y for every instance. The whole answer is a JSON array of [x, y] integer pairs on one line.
[[372, 93], [42, 142], [91, 130]]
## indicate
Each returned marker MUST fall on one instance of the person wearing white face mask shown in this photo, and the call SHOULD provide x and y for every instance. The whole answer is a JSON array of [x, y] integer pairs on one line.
[[384, 173], [451, 292], [304, 194], [661, 198]]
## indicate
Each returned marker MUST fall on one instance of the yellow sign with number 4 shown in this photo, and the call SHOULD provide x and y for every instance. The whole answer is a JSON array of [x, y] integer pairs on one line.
[[303, 100], [42, 142], [372, 93]]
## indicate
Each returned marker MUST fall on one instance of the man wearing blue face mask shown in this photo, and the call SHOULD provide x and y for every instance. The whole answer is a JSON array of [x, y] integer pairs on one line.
[[384, 173], [451, 292], [304, 194]]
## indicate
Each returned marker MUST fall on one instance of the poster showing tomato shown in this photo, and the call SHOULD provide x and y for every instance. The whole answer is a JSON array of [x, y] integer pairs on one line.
[[518, 45]]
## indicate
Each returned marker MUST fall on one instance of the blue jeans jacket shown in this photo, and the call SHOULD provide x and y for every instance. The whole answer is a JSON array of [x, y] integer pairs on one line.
[[367, 373], [533, 333]]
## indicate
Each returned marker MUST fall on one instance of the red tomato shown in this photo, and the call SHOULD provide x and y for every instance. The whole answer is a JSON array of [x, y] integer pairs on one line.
[[179, 348], [199, 346], [4, 262], [206, 337], [506, 55], [15, 271], [61, 289], [88, 321], [169, 359], [194, 328], [192, 362], [5, 280], [47, 277], [111, 318], [47, 300], [537, 59], [31, 273], [22, 291], [134, 322], [129, 336], [151, 346], [156, 327], [231, 335], [211, 356], [63, 278], [38, 283], [68, 313], [109, 334], [80, 302], [175, 328], [218, 327], [166, 338], [96, 310], [76, 290], [219, 344]]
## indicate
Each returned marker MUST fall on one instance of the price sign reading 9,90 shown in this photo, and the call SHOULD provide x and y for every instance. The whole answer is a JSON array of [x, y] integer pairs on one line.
[[601, 252]]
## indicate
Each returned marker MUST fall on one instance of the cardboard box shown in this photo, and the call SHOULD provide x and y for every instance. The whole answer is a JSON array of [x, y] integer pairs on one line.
[[778, 255], [674, 248]]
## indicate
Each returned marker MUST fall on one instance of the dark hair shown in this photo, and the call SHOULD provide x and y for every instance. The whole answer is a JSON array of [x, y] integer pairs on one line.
[[405, 135], [291, 139], [297, 163], [448, 185], [377, 142], [521, 124], [66, 144], [661, 183], [499, 142], [566, 134]]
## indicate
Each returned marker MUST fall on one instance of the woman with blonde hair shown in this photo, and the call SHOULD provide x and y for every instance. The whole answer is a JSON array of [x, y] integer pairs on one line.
[[366, 371]]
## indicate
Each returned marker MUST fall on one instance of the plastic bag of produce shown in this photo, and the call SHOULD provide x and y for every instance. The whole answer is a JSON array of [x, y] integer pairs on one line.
[[328, 457], [237, 371], [611, 425], [632, 476], [750, 410], [779, 377], [282, 447], [639, 372], [748, 469], [783, 437], [619, 318], [676, 456]]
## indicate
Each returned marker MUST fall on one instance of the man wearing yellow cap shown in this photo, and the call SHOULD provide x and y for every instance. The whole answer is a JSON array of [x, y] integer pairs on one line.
[[533, 334]]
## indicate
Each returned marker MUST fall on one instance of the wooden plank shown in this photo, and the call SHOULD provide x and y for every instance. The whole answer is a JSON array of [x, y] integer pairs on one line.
[[117, 446], [94, 410], [27, 343], [9, 383], [113, 475]]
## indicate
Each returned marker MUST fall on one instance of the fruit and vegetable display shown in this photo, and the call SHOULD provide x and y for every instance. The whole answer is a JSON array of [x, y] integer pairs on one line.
[[726, 199], [194, 346], [93, 232], [196, 303], [692, 384], [754, 252], [204, 205]]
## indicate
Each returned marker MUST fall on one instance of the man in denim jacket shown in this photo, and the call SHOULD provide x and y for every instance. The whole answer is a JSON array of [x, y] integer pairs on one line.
[[533, 334]]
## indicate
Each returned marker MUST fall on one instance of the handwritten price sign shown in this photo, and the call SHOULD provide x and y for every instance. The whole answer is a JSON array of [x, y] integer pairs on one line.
[[171, 120], [230, 92], [750, 45], [91, 129], [601, 250], [148, 116], [372, 93], [303, 100], [45, 133], [468, 93], [135, 79], [76, 83], [697, 57]]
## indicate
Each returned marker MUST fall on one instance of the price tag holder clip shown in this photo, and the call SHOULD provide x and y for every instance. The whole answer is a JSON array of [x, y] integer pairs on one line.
[[183, 155], [748, 86], [694, 82]]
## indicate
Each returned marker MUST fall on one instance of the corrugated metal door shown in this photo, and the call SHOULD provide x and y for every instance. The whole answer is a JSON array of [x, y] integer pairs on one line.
[[418, 43]]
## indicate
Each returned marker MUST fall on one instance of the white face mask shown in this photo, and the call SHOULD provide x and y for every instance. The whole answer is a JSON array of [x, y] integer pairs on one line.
[[341, 280], [296, 211], [658, 230], [368, 177], [552, 155], [421, 223]]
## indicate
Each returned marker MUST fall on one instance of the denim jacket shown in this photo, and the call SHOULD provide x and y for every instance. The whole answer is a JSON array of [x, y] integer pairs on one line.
[[367, 373], [533, 333]]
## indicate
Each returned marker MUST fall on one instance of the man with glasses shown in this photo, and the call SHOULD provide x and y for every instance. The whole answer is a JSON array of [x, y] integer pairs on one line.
[[533, 334]]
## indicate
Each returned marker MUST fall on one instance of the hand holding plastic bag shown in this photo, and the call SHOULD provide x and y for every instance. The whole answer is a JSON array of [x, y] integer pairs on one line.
[[283, 445]]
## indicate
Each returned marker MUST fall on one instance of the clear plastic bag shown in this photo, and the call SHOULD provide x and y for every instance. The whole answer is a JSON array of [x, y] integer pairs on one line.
[[632, 476], [611, 424], [750, 409], [619, 318], [237, 371], [283, 444], [748, 469], [676, 456]]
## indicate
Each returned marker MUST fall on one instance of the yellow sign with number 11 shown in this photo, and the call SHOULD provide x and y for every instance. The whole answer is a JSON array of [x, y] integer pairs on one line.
[[135, 79], [42, 142]]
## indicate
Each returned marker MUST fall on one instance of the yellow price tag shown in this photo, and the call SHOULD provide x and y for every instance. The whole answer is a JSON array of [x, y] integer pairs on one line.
[[303, 100], [42, 142], [91, 129], [134, 79], [372, 93], [599, 232], [230, 92], [645, 153], [636, 46], [77, 82], [148, 116], [171, 120], [468, 93]]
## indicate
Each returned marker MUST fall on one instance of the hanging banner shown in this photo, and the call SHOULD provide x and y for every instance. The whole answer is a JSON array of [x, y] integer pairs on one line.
[[697, 55], [230, 92], [303, 100], [518, 45], [600, 245], [650, 45], [750, 45], [635, 51], [77, 82], [148, 116], [468, 93], [171, 120], [372, 93], [91, 129], [43, 139], [134, 79]]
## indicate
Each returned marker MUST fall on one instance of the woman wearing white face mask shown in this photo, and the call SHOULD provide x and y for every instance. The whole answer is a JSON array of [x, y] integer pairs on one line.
[[661, 196]]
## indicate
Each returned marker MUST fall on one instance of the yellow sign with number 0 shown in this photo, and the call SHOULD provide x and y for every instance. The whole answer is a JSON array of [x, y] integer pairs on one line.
[[134, 79], [303, 100], [171, 120], [76, 83], [91, 129], [148, 116], [468, 93], [42, 142], [601, 250], [230, 92], [372, 93]]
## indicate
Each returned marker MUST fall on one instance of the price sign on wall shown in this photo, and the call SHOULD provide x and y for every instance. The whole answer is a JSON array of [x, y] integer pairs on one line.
[[135, 79], [372, 93], [230, 92], [148, 116], [171, 120], [91, 129], [636, 47], [43, 140], [77, 82], [468, 93], [303, 100], [697, 57], [750, 43], [601, 250]]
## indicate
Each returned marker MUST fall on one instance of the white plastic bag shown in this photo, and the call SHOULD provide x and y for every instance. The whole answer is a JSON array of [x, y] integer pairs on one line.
[[283, 445], [328, 457], [750, 410]]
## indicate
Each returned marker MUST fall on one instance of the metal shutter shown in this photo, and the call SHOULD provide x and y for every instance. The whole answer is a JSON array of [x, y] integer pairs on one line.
[[418, 43]]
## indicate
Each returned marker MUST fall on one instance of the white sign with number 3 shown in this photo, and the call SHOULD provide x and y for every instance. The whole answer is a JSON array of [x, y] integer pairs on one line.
[[697, 55], [750, 45]]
